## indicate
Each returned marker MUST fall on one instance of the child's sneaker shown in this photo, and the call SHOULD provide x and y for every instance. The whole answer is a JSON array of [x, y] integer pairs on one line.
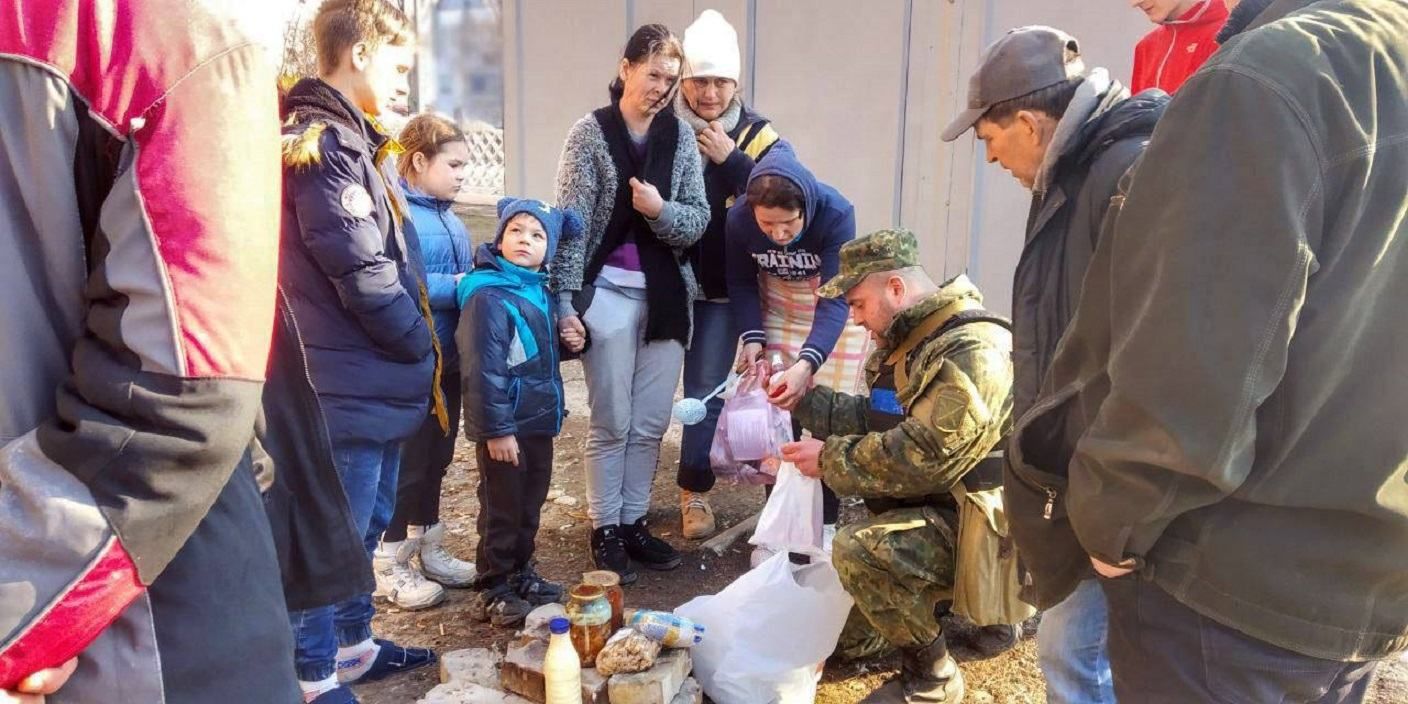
[[398, 581], [438, 564], [378, 660], [534, 589], [500, 606]]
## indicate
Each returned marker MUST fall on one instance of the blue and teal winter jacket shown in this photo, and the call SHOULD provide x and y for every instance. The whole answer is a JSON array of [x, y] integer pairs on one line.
[[444, 245], [508, 332]]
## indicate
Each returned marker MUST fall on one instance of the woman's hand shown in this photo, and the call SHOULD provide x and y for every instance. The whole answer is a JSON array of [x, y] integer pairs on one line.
[[33, 688], [646, 199], [748, 355], [714, 143], [504, 449], [794, 384]]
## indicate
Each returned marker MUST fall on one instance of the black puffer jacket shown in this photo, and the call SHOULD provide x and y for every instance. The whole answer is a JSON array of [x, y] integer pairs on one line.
[[1062, 230], [321, 556]]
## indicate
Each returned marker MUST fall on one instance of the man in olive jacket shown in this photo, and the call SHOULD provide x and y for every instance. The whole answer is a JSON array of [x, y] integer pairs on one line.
[[1238, 364], [940, 400]]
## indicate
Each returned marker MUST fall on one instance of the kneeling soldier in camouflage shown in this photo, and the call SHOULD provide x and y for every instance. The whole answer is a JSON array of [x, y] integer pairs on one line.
[[919, 450]]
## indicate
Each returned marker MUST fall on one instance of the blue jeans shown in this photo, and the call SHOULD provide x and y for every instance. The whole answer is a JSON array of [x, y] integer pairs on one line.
[[706, 365], [1164, 652], [368, 471], [1071, 648]]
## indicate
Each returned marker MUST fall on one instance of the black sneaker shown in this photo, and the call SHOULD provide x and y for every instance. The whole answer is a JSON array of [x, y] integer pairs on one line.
[[537, 591], [500, 606], [648, 549], [609, 553]]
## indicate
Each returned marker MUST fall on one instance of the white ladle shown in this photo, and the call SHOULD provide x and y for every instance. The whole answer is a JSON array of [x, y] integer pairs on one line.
[[692, 411]]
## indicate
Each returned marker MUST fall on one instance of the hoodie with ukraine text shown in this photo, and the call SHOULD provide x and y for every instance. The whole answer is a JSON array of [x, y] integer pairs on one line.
[[829, 221]]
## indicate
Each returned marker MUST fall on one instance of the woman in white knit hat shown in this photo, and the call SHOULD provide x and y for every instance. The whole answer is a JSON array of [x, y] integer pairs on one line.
[[731, 138]]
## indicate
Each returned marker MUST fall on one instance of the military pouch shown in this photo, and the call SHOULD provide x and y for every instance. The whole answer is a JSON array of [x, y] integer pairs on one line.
[[987, 583]]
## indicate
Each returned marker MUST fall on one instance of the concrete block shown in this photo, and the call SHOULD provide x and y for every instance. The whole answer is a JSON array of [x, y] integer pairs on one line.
[[658, 685], [477, 665], [522, 674], [536, 624], [468, 693], [691, 693]]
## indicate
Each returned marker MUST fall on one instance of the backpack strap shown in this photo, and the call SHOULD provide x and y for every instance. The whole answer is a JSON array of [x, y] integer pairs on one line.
[[933, 330]]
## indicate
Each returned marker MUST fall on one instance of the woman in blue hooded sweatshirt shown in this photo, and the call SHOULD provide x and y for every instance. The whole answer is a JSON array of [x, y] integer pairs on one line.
[[432, 171], [784, 238]]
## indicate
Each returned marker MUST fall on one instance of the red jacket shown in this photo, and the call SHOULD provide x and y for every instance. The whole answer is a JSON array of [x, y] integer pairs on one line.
[[139, 219], [1167, 56]]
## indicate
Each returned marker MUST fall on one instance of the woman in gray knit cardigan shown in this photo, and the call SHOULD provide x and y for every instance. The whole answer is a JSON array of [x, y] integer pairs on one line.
[[633, 171]]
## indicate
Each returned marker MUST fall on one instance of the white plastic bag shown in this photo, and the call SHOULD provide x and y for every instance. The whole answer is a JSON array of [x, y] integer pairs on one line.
[[768, 632], [791, 519]]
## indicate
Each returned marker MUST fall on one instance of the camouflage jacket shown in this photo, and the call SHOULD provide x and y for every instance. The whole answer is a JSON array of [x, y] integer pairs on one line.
[[957, 402]]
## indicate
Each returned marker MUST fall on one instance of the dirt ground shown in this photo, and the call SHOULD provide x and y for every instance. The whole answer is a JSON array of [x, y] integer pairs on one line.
[[563, 556], [1012, 678]]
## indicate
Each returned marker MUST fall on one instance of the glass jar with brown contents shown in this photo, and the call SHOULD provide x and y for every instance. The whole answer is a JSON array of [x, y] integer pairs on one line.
[[611, 582], [590, 614]]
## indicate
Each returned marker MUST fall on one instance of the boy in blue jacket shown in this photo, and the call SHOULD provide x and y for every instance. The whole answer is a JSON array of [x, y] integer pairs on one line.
[[513, 400]]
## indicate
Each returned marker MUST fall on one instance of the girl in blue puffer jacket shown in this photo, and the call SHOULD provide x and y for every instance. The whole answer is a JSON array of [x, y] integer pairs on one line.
[[432, 170], [513, 400]]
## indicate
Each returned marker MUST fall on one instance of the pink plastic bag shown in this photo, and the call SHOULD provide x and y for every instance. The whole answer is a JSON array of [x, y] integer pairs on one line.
[[748, 441]]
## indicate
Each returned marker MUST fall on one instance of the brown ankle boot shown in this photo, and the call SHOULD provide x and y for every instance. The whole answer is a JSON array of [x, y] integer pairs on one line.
[[697, 515]]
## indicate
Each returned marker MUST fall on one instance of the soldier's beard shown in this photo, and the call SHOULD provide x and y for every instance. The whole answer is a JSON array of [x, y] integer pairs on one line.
[[884, 319]]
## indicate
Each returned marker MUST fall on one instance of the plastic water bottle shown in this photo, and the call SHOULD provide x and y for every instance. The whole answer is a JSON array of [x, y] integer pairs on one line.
[[667, 629], [562, 669]]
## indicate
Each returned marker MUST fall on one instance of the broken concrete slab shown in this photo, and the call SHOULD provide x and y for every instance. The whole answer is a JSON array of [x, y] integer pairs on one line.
[[474, 665], [658, 685], [536, 624], [468, 693], [691, 693]]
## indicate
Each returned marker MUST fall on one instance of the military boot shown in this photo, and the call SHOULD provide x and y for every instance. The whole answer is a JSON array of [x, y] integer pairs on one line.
[[928, 675]]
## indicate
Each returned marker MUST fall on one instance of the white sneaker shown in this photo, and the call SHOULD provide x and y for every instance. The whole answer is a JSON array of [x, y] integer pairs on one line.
[[828, 536], [438, 564], [399, 582]]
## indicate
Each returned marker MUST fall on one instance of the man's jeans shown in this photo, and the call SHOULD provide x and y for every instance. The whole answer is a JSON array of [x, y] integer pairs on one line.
[[1071, 648], [368, 472], [706, 365], [1163, 652]]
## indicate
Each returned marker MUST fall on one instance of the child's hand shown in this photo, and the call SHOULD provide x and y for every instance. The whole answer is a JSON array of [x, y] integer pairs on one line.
[[574, 337], [504, 449]]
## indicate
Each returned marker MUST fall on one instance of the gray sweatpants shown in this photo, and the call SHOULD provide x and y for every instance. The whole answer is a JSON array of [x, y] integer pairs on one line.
[[630, 389]]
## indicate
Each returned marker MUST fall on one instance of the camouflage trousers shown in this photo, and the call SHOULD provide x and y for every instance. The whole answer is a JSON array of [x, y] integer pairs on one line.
[[898, 566]]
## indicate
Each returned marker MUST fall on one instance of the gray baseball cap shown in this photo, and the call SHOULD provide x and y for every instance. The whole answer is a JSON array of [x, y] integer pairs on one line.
[[1023, 61]]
